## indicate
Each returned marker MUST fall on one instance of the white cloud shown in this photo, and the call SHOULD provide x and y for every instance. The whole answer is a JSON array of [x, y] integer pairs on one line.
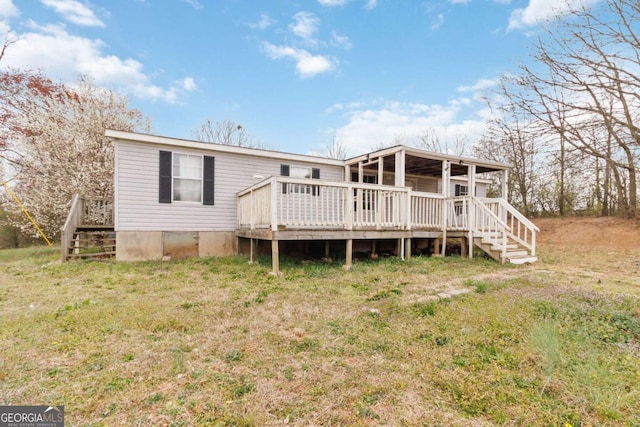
[[74, 12], [437, 23], [65, 56], [538, 11], [305, 26], [340, 41], [393, 122], [479, 86], [264, 22], [189, 84], [8, 10], [307, 65], [195, 4], [459, 1], [371, 4], [333, 3]]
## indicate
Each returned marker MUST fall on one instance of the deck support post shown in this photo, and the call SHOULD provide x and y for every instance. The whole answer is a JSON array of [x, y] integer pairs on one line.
[[373, 247], [471, 222], [436, 247], [275, 258], [407, 250], [326, 249], [348, 255], [252, 251], [400, 248], [463, 247]]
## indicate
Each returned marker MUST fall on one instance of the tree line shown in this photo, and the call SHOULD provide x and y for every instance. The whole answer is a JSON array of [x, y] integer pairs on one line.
[[569, 120]]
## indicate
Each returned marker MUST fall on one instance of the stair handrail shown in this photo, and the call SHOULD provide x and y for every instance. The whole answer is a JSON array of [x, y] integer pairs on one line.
[[73, 220], [495, 230], [516, 213], [530, 227]]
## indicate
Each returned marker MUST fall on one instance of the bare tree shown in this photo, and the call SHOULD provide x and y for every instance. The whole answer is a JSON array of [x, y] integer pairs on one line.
[[580, 99], [336, 148], [456, 145], [587, 67], [511, 138], [8, 41], [226, 132]]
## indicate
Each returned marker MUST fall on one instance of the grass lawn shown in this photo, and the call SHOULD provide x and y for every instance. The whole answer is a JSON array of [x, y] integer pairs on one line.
[[220, 342]]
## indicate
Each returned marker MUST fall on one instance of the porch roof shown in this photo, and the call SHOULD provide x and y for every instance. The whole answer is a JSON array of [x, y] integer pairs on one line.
[[427, 163]]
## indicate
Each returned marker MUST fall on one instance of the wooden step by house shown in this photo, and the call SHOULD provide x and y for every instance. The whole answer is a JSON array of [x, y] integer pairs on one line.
[[93, 242], [515, 253]]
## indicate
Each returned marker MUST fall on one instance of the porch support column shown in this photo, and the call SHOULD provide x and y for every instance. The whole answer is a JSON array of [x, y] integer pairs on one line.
[[505, 189], [349, 255], [446, 174], [380, 170], [471, 178], [360, 172], [275, 258], [400, 164], [347, 173]]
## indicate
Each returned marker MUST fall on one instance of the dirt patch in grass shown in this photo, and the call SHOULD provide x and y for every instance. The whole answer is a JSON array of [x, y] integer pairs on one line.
[[605, 232]]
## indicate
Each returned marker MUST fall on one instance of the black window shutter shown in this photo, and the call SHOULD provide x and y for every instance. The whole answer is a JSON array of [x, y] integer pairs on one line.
[[457, 190], [284, 171], [208, 185], [164, 185], [315, 174]]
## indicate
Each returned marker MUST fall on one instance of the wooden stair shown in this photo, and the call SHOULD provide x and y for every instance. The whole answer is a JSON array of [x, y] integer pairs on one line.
[[92, 242], [515, 253]]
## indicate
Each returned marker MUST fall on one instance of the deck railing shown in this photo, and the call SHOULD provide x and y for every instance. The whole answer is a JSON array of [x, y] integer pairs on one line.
[[283, 202], [87, 212], [521, 229], [489, 226], [426, 210]]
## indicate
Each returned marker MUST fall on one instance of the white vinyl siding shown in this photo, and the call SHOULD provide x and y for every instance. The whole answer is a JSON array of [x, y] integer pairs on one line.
[[136, 183]]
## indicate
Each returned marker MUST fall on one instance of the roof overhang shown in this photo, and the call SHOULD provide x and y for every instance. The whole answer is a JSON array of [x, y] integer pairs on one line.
[[423, 162], [209, 146]]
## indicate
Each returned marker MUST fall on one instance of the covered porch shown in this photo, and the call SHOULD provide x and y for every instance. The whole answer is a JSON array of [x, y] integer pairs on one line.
[[380, 199]]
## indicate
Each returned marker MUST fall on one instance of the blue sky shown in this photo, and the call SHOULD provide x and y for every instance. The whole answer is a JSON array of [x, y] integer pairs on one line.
[[293, 73]]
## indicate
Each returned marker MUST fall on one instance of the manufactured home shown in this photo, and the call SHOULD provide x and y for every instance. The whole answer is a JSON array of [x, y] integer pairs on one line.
[[177, 198]]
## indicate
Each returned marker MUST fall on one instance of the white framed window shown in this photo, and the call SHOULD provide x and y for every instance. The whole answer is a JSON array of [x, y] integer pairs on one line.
[[367, 178], [301, 172], [187, 177], [461, 190]]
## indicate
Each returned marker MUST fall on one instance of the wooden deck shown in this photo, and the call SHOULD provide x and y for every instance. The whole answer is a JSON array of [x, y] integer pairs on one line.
[[283, 208]]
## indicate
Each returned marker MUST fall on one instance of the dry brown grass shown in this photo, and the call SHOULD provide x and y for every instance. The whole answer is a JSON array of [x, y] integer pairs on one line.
[[219, 342]]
